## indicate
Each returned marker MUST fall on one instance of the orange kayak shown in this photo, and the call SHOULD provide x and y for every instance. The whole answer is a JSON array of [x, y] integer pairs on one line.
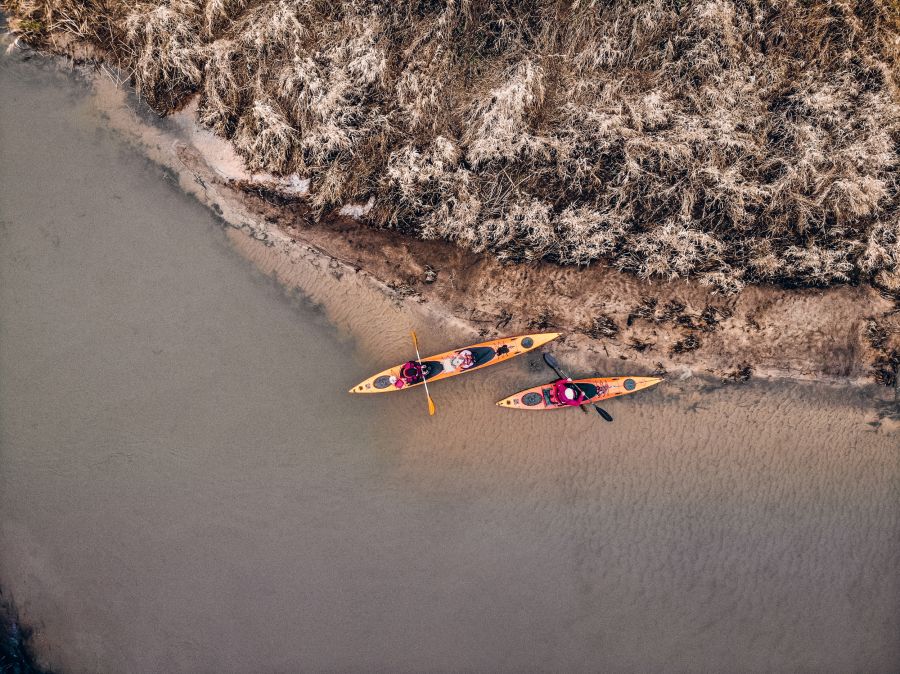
[[456, 362], [597, 388]]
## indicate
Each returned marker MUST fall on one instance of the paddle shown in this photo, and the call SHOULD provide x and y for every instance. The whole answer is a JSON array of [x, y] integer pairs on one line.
[[419, 361], [551, 361]]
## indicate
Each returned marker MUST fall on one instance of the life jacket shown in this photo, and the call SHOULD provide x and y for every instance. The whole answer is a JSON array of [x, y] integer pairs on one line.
[[564, 392], [411, 372]]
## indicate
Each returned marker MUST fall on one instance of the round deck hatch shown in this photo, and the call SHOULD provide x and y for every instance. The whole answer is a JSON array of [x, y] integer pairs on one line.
[[531, 398]]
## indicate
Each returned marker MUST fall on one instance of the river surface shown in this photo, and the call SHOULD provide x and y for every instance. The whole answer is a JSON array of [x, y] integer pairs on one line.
[[185, 485]]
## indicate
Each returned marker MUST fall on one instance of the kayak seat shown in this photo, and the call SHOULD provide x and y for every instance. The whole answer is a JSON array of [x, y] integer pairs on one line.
[[431, 368], [589, 390], [482, 355]]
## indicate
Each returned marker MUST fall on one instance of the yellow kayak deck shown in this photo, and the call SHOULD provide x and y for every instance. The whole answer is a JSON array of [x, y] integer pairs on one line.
[[596, 388], [440, 367]]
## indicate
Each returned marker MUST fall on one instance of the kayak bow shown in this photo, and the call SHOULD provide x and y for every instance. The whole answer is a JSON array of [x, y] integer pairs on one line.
[[597, 388], [439, 367]]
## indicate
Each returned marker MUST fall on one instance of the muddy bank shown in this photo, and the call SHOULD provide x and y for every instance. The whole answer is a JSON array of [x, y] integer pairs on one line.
[[846, 333]]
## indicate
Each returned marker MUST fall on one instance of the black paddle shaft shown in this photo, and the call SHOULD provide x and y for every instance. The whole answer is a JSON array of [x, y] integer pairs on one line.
[[551, 361]]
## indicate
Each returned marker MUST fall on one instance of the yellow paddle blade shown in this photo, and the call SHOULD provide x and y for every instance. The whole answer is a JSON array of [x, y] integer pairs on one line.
[[419, 361]]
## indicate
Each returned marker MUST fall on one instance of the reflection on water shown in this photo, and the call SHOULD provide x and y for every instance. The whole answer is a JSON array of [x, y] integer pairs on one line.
[[185, 485]]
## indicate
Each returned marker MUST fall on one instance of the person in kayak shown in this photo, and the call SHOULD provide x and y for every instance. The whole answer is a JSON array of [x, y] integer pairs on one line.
[[461, 360], [411, 373], [564, 392]]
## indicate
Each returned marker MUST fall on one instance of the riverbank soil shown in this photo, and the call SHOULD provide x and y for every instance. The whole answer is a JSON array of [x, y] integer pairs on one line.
[[773, 174]]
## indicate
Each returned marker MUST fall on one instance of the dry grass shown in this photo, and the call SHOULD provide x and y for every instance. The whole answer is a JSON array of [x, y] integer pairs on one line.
[[603, 326], [734, 142]]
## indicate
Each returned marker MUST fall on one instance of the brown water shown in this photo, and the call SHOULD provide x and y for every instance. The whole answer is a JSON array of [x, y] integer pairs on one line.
[[186, 486]]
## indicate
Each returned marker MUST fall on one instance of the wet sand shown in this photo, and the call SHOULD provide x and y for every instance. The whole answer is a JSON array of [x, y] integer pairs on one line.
[[186, 486]]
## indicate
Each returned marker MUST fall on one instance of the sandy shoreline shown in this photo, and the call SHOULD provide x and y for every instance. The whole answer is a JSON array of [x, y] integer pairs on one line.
[[679, 328]]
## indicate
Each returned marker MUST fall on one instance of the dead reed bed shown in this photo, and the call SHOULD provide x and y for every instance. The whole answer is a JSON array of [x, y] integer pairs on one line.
[[733, 141]]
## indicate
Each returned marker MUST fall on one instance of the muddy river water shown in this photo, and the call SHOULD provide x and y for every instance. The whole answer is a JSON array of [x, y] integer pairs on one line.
[[186, 486]]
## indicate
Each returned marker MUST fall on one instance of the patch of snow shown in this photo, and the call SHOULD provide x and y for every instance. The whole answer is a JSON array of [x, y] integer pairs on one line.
[[292, 184], [357, 210]]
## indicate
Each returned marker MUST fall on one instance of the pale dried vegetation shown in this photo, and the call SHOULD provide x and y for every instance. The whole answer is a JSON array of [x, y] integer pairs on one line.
[[734, 141]]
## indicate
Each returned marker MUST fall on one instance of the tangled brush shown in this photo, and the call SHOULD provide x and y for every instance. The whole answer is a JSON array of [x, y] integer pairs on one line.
[[730, 141]]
